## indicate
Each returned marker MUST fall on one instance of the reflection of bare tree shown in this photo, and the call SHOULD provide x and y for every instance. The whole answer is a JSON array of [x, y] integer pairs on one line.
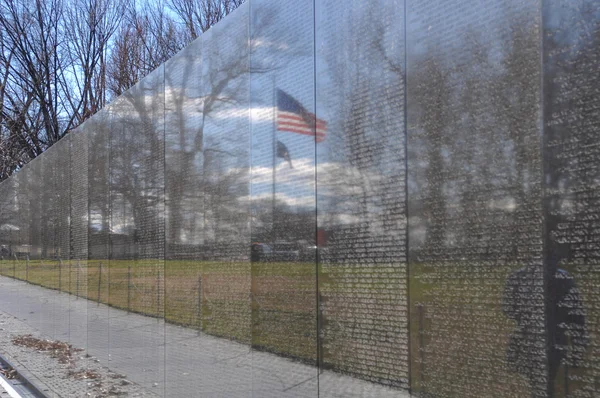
[[207, 167], [567, 75], [430, 118], [518, 113], [367, 161], [474, 167], [223, 75], [8, 214], [473, 131], [136, 169], [98, 131]]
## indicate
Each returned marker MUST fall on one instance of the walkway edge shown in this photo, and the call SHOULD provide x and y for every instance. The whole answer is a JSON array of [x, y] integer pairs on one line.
[[8, 387], [24, 376]]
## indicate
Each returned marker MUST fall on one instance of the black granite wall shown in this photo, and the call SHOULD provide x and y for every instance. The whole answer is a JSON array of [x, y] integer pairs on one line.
[[401, 191]]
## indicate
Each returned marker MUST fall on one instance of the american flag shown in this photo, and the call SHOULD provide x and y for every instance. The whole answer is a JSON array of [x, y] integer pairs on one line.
[[293, 117]]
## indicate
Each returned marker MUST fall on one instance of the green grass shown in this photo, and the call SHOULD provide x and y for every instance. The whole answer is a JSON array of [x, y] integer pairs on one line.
[[458, 322], [283, 306], [458, 333]]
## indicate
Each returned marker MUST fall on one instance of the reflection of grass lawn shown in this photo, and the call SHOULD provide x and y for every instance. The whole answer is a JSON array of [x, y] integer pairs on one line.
[[458, 332], [284, 319], [455, 318]]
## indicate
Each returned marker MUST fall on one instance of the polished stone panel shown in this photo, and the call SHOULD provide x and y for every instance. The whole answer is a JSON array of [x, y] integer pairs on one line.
[[184, 217], [474, 200], [571, 206], [361, 183], [9, 224], [225, 157], [137, 234], [78, 278], [19, 252], [208, 231], [53, 267], [97, 131], [332, 198], [284, 306]]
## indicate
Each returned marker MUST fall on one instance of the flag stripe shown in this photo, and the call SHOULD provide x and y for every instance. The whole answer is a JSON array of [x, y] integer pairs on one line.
[[293, 117], [319, 123], [301, 131], [297, 129], [300, 125], [318, 138], [297, 123]]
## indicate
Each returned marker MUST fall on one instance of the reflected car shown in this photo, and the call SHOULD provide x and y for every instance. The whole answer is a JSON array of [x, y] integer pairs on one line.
[[260, 252], [285, 251]]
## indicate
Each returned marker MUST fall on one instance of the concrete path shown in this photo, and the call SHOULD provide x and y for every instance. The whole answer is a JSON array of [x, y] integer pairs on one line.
[[4, 393], [169, 360]]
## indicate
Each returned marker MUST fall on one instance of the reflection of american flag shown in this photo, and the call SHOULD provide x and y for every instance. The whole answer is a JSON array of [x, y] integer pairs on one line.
[[293, 117]]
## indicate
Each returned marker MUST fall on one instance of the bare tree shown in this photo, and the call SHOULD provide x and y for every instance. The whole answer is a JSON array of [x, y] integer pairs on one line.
[[149, 38], [199, 15], [52, 71], [152, 35], [32, 28], [62, 60], [89, 26]]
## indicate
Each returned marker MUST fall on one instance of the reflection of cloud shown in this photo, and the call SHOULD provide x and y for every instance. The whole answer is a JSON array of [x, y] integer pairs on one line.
[[336, 180], [262, 114], [122, 228], [193, 108], [347, 219], [9, 227], [259, 42], [173, 93], [96, 220], [418, 231], [508, 204], [331, 174], [230, 113], [303, 172], [282, 197], [340, 179]]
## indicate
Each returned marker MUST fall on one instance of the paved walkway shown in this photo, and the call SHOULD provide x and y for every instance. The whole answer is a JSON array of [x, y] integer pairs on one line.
[[169, 360], [3, 392]]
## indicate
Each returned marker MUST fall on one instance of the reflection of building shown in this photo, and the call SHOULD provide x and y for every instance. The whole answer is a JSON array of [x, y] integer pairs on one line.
[[9, 233], [10, 244]]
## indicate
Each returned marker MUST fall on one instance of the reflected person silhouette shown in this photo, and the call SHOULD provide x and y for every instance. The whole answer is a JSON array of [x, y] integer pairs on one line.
[[554, 315]]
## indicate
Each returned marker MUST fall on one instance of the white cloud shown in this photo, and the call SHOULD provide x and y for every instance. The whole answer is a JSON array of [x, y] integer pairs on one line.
[[303, 172], [507, 204], [282, 197], [260, 42]]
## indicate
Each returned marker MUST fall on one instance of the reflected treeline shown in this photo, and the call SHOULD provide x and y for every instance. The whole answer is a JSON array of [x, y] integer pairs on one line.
[[477, 210], [474, 146], [8, 217], [207, 135], [570, 155], [475, 197]]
